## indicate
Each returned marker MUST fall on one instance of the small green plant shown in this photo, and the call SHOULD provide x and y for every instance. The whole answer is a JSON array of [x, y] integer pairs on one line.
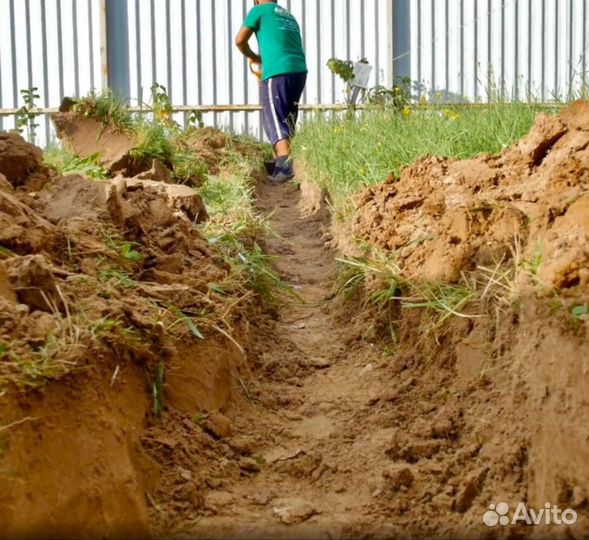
[[533, 265], [6, 253], [580, 313], [200, 417], [344, 69], [120, 277], [195, 119], [399, 97], [68, 163], [124, 253], [129, 253], [160, 104], [25, 116], [188, 321], [153, 143], [188, 168]]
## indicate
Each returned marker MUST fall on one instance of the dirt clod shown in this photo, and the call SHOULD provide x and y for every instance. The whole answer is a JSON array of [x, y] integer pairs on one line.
[[471, 488], [87, 137], [293, 511], [18, 158], [218, 425], [249, 464], [477, 212], [398, 476], [158, 172]]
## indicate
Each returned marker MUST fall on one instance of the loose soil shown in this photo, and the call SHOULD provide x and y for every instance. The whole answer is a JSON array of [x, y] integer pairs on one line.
[[97, 281], [311, 422]]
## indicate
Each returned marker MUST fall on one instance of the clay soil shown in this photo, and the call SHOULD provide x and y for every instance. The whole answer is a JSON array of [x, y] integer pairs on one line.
[[318, 424]]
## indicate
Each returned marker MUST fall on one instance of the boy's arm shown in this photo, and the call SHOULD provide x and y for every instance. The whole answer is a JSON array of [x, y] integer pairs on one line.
[[241, 41]]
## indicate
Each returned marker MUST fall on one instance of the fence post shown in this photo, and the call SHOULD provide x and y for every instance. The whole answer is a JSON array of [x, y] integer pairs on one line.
[[390, 38], [114, 46], [401, 39], [103, 46]]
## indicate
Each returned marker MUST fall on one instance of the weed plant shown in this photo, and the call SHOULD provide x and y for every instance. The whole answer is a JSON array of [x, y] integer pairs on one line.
[[66, 162]]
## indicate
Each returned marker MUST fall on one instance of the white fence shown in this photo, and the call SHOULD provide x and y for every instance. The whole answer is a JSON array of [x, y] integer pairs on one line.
[[69, 47], [513, 49]]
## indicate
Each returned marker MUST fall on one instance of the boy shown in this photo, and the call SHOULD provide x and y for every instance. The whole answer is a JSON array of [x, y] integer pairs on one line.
[[284, 73]]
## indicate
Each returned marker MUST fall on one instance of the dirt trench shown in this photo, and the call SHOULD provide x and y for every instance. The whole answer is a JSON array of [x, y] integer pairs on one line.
[[349, 439], [310, 475], [311, 422]]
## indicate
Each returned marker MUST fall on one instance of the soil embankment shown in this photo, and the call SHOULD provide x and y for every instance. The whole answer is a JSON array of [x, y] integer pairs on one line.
[[102, 286]]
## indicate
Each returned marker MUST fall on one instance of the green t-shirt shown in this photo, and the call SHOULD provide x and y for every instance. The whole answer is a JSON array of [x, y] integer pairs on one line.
[[279, 39]]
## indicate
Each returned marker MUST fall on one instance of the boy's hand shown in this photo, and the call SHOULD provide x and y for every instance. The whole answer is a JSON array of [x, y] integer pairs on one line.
[[256, 69]]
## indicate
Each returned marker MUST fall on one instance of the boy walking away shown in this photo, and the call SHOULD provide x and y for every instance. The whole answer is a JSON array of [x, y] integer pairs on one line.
[[284, 73]]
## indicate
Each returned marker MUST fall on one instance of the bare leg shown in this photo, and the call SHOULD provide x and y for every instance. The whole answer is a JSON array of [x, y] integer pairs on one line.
[[282, 148]]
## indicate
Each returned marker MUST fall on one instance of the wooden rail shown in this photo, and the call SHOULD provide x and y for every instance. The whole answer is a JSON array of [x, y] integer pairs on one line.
[[302, 107]]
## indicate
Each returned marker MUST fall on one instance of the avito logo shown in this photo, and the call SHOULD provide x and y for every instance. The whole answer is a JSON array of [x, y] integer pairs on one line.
[[498, 514]]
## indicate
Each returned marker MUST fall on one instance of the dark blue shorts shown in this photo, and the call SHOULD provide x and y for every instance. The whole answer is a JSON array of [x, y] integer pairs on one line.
[[280, 102]]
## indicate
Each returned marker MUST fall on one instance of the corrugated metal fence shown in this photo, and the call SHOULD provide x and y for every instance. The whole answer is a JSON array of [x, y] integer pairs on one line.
[[455, 49], [509, 49]]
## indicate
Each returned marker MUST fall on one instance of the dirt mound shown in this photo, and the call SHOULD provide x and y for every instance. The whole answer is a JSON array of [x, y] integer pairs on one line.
[[18, 158], [491, 405], [103, 285], [443, 217], [87, 137], [214, 147]]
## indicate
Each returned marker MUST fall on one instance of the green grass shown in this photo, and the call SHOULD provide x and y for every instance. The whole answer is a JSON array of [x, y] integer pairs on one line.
[[66, 162], [346, 154], [107, 107], [384, 284], [188, 168], [155, 141], [233, 228]]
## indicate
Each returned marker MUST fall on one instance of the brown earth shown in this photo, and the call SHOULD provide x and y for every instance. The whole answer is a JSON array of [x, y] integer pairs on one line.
[[419, 439], [87, 137], [96, 281], [444, 216], [309, 425], [351, 441]]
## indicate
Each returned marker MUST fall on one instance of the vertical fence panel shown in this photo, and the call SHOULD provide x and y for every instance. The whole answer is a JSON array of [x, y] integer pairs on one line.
[[50, 45], [511, 49], [185, 45]]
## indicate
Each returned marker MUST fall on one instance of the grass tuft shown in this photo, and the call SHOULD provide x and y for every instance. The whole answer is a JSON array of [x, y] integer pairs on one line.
[[107, 107], [66, 162], [346, 154]]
